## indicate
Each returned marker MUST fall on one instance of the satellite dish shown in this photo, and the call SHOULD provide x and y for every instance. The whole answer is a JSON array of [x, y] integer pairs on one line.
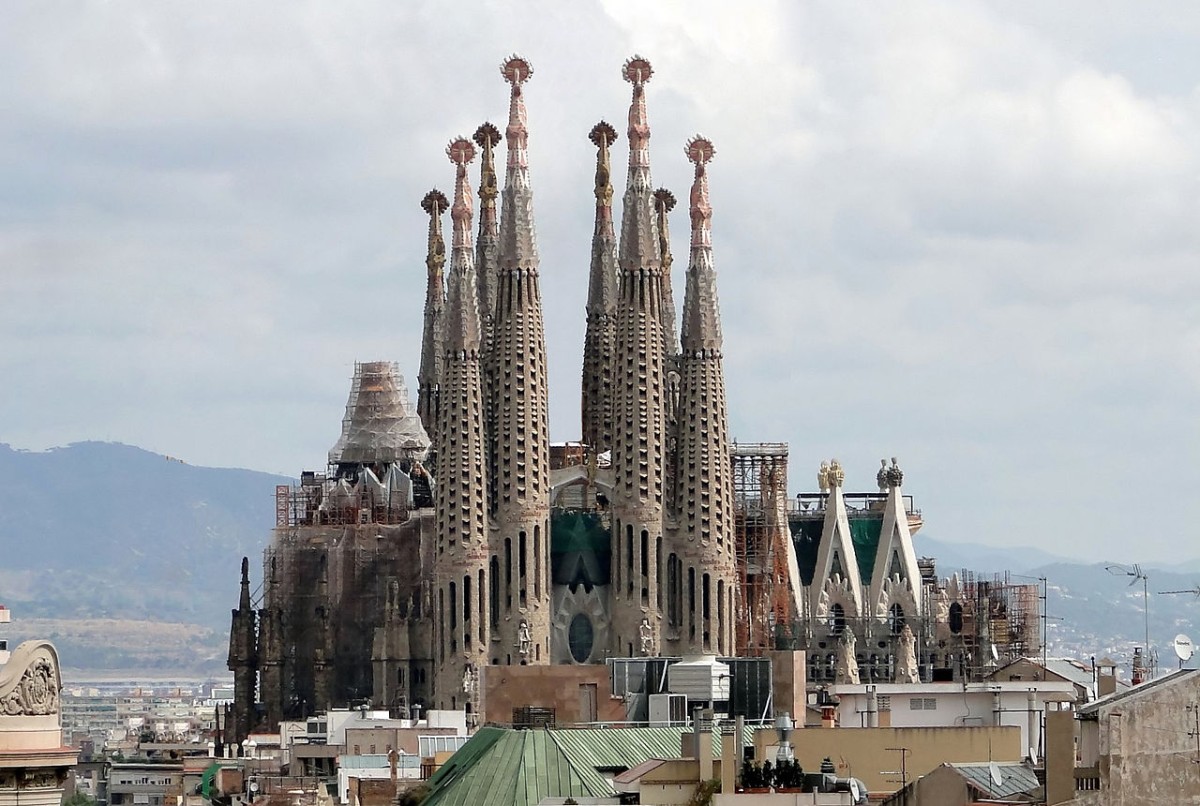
[[994, 771], [1183, 647]]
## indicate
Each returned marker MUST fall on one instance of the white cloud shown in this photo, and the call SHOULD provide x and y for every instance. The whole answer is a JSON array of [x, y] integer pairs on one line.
[[961, 233]]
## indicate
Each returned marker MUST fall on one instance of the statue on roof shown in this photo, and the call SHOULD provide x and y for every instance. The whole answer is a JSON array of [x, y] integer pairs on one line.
[[837, 476], [881, 478], [823, 477], [847, 662], [895, 476], [906, 658]]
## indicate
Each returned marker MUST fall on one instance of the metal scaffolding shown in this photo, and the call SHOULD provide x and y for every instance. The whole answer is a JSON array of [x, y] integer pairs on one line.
[[766, 605]]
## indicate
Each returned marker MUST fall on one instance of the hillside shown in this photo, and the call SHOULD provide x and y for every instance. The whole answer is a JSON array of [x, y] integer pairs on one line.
[[102, 531]]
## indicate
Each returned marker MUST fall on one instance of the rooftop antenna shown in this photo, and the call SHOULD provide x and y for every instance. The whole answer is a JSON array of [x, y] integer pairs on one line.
[[1193, 591], [1135, 571]]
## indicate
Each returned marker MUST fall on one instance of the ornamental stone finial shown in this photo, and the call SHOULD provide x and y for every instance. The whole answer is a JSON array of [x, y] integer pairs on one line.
[[603, 135], [434, 204], [700, 152], [517, 71], [637, 71], [882, 475], [823, 477], [837, 476], [487, 136], [895, 476], [461, 153]]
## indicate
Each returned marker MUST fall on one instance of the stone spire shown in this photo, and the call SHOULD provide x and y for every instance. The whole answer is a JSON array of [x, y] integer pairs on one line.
[[701, 317], [432, 345], [664, 202], [487, 267], [270, 647], [639, 433], [487, 254], [518, 240], [461, 637], [704, 494], [243, 659], [603, 290], [520, 456]]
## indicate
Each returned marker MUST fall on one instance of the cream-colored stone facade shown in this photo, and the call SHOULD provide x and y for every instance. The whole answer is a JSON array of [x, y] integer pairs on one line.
[[34, 764]]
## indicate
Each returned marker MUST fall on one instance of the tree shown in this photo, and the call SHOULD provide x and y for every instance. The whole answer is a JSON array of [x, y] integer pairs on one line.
[[78, 798]]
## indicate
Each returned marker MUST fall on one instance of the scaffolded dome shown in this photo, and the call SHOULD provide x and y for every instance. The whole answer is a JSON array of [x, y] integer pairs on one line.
[[381, 424]]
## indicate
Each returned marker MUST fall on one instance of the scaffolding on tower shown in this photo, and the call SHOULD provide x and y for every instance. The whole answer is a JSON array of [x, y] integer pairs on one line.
[[766, 564]]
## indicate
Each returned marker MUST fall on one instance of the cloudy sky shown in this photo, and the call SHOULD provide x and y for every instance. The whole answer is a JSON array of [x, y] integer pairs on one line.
[[964, 234]]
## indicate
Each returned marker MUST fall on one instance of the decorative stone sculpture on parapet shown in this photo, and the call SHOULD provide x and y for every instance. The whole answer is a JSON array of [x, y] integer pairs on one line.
[[837, 476], [30, 681], [895, 476], [881, 478], [906, 658], [823, 477], [847, 663]]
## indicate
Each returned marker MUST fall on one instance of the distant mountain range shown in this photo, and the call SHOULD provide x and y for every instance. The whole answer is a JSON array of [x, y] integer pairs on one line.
[[129, 560], [97, 531]]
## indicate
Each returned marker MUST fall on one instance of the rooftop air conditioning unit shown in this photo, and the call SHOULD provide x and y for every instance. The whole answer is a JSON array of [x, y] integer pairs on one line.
[[668, 710]]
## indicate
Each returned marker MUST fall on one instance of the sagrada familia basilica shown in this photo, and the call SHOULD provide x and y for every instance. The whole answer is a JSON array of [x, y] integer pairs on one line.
[[453, 535]]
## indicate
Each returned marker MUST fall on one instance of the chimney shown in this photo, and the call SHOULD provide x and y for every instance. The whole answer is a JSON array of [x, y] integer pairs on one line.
[[703, 745]]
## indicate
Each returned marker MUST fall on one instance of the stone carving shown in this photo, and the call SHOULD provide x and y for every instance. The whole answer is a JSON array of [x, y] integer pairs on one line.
[[823, 477], [847, 663], [646, 636], [37, 692], [881, 478], [906, 660], [895, 476], [524, 639], [836, 476]]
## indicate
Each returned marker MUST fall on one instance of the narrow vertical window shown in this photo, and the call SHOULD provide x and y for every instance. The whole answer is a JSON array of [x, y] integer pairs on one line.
[[645, 568], [629, 559], [521, 563], [494, 585], [721, 616], [467, 603], [692, 603], [659, 572], [537, 562], [508, 569]]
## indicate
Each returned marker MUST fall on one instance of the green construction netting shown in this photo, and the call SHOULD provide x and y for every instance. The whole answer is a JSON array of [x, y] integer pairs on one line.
[[579, 547], [864, 534]]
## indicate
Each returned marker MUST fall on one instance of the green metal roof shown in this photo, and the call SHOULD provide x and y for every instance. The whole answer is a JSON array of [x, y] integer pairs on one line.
[[500, 766], [520, 767]]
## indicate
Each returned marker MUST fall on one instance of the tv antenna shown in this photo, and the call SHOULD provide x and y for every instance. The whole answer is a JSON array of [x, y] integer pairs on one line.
[[1135, 571]]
